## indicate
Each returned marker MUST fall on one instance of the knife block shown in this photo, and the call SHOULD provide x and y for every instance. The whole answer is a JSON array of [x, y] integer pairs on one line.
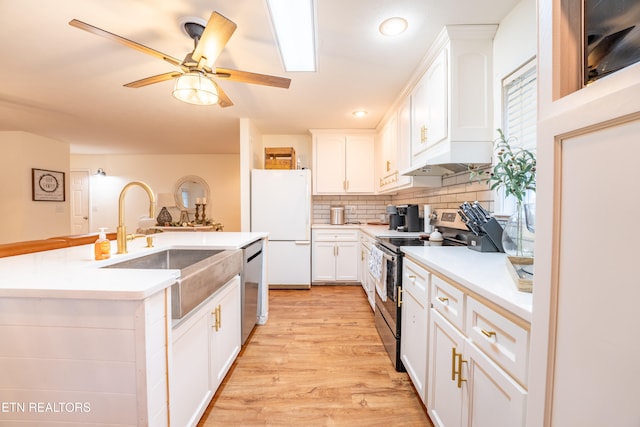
[[481, 243], [493, 231]]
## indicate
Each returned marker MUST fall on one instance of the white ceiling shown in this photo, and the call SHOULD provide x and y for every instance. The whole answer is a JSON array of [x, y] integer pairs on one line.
[[67, 84]]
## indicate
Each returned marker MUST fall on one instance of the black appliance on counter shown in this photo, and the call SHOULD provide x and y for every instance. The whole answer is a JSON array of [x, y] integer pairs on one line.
[[404, 218], [388, 313]]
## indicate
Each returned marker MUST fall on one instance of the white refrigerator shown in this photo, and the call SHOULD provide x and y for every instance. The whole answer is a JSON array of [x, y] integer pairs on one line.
[[281, 206]]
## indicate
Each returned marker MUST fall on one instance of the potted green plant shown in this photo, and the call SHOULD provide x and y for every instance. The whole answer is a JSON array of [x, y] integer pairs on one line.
[[515, 172]]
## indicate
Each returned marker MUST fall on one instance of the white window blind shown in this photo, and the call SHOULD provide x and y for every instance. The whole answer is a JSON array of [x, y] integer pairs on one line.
[[520, 107], [519, 121]]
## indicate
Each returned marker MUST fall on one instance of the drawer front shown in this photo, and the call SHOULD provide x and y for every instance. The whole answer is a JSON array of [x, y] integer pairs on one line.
[[333, 235], [504, 341], [448, 301], [415, 280]]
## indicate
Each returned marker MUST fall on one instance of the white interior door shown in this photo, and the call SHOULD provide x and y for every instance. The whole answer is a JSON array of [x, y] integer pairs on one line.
[[79, 202]]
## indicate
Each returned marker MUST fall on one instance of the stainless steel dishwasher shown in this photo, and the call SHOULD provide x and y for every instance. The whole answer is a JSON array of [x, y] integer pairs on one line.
[[251, 278]]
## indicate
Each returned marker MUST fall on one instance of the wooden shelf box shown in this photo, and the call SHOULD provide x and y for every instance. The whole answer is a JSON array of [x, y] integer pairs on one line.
[[279, 158]]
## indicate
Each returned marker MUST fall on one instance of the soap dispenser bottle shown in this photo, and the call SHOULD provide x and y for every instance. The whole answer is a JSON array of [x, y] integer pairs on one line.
[[102, 247]]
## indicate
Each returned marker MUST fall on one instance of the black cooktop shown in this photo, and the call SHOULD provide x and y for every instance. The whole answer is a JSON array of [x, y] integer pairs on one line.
[[394, 243]]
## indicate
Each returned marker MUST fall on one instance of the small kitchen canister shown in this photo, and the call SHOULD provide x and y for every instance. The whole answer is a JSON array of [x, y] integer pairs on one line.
[[337, 215]]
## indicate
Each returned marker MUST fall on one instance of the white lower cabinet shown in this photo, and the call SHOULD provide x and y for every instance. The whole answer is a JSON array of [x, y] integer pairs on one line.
[[226, 332], [335, 255], [493, 398], [189, 380], [466, 386], [444, 395], [413, 345], [203, 348]]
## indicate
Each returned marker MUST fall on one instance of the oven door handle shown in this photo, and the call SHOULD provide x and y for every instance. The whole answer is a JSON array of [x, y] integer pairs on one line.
[[388, 257]]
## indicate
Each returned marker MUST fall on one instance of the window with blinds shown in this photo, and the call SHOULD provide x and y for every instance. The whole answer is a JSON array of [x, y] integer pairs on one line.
[[519, 121], [520, 107]]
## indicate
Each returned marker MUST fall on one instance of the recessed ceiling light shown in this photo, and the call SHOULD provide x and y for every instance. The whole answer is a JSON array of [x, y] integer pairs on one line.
[[360, 113], [393, 26]]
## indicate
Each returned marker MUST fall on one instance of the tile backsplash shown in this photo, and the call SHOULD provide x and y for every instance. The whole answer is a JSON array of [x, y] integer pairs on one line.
[[455, 190]]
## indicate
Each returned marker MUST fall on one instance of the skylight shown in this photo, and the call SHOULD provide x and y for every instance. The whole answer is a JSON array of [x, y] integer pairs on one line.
[[294, 24]]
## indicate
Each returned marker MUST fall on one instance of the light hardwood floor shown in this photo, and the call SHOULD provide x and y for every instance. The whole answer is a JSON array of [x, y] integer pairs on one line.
[[317, 362]]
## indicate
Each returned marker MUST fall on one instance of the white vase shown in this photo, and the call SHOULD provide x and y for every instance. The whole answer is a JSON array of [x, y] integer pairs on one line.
[[517, 239]]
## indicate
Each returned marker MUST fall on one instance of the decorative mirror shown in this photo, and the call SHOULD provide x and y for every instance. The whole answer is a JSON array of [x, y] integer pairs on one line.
[[188, 190]]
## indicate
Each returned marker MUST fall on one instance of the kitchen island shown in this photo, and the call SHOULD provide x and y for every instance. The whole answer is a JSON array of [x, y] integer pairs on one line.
[[84, 344]]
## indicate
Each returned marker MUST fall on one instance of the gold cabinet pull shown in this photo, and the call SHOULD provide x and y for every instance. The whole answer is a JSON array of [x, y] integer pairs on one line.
[[219, 316], [388, 165], [488, 334], [460, 362], [423, 134], [217, 322], [399, 297], [454, 355], [444, 300]]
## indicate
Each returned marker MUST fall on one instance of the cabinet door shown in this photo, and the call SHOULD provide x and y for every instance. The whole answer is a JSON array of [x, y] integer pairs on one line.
[[346, 261], [437, 100], [413, 346], [445, 349], [226, 331], [494, 398], [419, 123], [387, 162], [329, 160], [190, 390], [359, 164], [324, 261], [403, 154], [595, 374]]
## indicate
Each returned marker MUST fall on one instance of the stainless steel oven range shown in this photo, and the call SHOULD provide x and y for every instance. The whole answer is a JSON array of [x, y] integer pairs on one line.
[[387, 307]]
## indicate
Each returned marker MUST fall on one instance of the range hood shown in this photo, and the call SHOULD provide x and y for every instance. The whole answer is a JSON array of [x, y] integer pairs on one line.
[[450, 157]]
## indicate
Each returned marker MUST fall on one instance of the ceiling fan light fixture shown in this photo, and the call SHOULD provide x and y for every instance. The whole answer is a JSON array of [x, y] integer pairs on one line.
[[393, 26], [195, 88]]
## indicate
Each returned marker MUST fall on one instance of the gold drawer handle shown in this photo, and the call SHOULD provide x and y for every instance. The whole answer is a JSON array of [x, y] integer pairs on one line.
[[444, 300], [488, 334]]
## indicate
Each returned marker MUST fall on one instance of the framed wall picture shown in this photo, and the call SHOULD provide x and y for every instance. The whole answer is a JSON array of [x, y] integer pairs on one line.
[[47, 186]]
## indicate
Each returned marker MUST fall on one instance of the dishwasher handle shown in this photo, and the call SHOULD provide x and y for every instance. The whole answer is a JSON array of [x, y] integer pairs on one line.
[[252, 257]]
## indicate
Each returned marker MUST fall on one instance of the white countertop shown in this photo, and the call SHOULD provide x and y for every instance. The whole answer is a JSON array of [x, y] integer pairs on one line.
[[372, 230], [73, 272], [481, 272]]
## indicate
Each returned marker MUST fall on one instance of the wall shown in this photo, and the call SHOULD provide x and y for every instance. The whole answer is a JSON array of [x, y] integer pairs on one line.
[[22, 218], [160, 172]]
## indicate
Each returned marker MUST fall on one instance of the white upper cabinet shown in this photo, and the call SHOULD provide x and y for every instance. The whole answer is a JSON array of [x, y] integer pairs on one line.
[[342, 163], [394, 154], [451, 105]]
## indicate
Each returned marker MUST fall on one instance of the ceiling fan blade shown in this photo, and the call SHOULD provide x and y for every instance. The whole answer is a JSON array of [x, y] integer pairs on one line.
[[154, 79], [144, 49], [258, 79], [214, 37], [223, 99]]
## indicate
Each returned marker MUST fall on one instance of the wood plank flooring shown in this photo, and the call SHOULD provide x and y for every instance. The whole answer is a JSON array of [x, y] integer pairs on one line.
[[317, 362]]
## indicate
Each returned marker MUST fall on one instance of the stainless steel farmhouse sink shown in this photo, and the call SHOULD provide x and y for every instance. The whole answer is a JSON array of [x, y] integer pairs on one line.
[[202, 272]]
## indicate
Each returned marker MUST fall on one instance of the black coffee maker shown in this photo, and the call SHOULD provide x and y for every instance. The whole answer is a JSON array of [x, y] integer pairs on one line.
[[396, 221], [409, 217]]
